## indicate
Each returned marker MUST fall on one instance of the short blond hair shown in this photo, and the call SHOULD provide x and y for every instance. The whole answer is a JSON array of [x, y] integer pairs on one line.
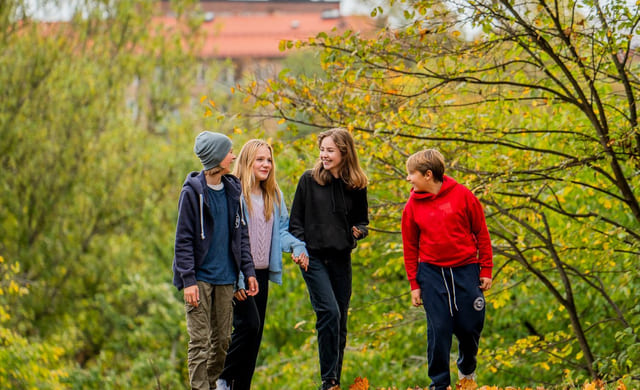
[[213, 171], [427, 160]]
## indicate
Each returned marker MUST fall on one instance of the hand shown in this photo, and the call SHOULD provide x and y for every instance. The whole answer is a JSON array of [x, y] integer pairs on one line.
[[253, 286], [416, 297], [357, 233], [192, 295], [302, 260], [485, 284], [241, 294]]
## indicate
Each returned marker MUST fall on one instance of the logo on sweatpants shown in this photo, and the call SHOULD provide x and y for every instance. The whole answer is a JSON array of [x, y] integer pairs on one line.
[[478, 304]]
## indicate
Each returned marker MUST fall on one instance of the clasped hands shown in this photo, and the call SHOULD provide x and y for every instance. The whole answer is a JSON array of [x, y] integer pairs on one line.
[[302, 260]]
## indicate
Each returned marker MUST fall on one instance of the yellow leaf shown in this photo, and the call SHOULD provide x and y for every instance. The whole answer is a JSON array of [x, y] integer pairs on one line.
[[4, 316], [203, 98], [213, 104]]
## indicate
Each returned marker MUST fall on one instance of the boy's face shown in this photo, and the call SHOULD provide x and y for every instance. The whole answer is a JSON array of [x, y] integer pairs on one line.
[[226, 163], [419, 181]]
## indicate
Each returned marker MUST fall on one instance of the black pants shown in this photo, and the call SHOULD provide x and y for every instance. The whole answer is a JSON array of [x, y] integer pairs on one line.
[[328, 280], [248, 324], [454, 305]]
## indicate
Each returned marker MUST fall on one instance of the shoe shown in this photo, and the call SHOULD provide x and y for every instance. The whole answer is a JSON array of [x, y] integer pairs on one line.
[[330, 385], [466, 382], [462, 376], [221, 384]]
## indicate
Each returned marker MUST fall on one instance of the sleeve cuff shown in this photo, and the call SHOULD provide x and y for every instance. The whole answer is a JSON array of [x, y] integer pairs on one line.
[[189, 281], [299, 249], [486, 272]]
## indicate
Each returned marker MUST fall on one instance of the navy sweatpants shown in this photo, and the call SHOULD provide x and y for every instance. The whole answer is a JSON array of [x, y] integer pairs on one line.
[[454, 305]]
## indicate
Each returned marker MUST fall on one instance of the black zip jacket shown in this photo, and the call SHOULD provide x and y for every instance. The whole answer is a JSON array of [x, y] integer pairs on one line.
[[322, 216], [195, 229]]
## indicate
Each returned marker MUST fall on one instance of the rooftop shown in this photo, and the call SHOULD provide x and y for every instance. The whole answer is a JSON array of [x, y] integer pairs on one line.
[[259, 35]]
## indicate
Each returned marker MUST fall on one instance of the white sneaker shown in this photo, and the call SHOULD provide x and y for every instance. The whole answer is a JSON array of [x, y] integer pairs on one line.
[[221, 384], [471, 376]]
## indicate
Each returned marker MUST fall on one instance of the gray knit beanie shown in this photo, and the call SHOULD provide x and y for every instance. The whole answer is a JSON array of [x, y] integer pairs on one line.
[[211, 148]]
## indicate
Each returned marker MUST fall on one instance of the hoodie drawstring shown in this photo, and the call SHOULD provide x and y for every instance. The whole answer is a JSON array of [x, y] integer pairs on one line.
[[244, 223], [201, 217], [453, 288]]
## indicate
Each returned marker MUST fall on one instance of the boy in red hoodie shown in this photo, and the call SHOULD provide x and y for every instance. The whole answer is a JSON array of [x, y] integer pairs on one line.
[[448, 259]]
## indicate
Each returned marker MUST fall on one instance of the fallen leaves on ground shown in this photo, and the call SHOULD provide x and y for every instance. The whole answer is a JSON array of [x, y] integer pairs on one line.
[[468, 384]]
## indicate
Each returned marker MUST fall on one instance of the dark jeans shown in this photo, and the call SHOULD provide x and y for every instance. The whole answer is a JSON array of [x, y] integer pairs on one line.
[[248, 324], [328, 280], [454, 305]]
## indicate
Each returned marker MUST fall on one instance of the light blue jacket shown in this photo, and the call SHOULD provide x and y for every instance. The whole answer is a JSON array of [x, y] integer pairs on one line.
[[282, 242]]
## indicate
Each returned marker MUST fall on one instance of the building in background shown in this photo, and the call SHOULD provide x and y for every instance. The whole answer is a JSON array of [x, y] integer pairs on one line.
[[249, 32]]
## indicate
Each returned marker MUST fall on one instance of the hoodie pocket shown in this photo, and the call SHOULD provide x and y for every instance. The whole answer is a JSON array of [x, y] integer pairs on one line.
[[323, 236]]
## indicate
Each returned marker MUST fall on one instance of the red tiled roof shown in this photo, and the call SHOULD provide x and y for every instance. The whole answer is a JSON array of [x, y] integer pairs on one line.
[[259, 35]]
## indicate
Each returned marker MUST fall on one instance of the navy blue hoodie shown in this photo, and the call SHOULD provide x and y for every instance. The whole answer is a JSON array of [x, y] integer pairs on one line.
[[195, 228]]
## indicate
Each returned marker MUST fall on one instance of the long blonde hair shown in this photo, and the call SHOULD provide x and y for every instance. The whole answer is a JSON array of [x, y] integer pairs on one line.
[[350, 171], [243, 170]]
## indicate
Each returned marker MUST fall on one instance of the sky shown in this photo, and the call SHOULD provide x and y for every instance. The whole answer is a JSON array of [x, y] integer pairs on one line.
[[350, 7], [65, 8]]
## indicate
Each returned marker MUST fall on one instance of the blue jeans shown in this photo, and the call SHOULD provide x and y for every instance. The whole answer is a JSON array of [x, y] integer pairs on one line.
[[328, 280], [454, 305]]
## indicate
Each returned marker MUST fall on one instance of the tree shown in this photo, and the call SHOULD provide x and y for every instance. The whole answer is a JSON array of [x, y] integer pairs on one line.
[[96, 128], [19, 369], [536, 112]]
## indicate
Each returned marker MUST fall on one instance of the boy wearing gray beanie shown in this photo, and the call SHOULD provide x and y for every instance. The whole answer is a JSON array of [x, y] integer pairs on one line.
[[211, 248]]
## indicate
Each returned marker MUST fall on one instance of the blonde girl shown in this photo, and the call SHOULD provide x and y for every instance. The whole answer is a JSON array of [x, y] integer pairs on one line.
[[267, 218]]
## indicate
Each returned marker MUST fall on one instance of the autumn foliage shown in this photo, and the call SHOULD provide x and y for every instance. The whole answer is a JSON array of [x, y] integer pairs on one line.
[[467, 384]]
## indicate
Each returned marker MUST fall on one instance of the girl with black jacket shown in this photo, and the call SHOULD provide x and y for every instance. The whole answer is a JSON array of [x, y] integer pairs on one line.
[[330, 213]]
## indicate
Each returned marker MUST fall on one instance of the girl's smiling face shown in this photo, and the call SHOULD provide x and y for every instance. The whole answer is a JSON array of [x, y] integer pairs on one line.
[[263, 164], [330, 156]]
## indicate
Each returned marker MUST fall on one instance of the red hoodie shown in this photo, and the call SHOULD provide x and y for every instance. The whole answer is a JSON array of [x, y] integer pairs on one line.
[[446, 230]]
